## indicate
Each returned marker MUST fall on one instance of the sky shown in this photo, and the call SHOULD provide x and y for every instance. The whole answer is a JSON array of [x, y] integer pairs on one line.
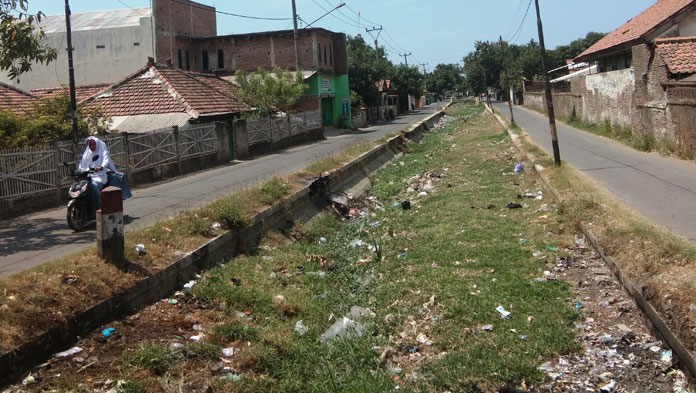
[[433, 31]]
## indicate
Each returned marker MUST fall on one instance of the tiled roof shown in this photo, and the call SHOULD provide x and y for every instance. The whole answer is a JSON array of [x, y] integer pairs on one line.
[[158, 89], [81, 92], [16, 100], [639, 26], [679, 54]]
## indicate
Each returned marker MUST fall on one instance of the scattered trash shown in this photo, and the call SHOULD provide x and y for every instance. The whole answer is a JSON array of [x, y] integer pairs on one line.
[[353, 213], [29, 380], [189, 284], [422, 194], [140, 248], [524, 241], [513, 205], [396, 204], [580, 242], [267, 258], [504, 314], [519, 167], [300, 328], [358, 313], [608, 388], [216, 226], [197, 338], [342, 328], [667, 357], [487, 328], [70, 352], [356, 243], [552, 248], [198, 328], [107, 332], [406, 205], [578, 306], [279, 300], [228, 352], [173, 301], [423, 339], [322, 240], [176, 347], [522, 337], [433, 265], [537, 254], [231, 377]]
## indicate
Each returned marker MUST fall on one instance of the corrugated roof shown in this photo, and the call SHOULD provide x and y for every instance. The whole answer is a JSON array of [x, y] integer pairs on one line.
[[16, 100], [678, 54], [96, 20], [639, 26]]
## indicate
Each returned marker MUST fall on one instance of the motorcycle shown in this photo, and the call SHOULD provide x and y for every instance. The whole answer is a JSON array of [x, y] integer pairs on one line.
[[81, 207]]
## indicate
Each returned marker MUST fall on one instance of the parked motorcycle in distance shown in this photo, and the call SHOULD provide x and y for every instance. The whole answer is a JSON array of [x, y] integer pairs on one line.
[[81, 209]]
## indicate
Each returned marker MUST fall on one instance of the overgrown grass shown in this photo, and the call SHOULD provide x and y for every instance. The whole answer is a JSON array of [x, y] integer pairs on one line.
[[334, 161]]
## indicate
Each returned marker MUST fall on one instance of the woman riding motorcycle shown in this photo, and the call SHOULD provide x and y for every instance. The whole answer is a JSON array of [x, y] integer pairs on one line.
[[104, 170]]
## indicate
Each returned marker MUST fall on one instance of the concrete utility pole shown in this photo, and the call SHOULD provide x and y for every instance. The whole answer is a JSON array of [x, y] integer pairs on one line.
[[547, 89], [405, 55], [71, 73], [379, 31], [423, 65], [297, 43], [507, 80]]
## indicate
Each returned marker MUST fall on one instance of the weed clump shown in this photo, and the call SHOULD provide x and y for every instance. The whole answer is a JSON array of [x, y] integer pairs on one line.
[[230, 213], [234, 332], [154, 357], [271, 191]]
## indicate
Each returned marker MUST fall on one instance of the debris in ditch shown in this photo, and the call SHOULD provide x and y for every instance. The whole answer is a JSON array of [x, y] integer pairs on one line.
[[358, 313], [190, 284], [423, 339], [609, 388], [300, 328], [29, 380], [279, 300], [216, 226], [107, 332], [342, 328], [503, 313], [406, 205], [580, 242], [228, 352], [197, 338], [140, 249], [487, 328], [513, 205], [667, 357], [198, 328], [519, 167], [231, 377], [422, 194], [172, 301], [552, 248], [68, 353]]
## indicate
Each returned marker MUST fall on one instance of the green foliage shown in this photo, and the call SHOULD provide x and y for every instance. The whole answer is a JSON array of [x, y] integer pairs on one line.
[[407, 81], [229, 212], [202, 351], [154, 357], [234, 332], [272, 190], [270, 92], [366, 67], [21, 39], [445, 78], [50, 120]]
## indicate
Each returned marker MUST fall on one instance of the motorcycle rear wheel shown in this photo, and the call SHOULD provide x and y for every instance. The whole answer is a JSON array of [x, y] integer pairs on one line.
[[77, 216]]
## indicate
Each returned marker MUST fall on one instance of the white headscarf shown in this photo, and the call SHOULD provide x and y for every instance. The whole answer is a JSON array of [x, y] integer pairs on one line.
[[103, 161]]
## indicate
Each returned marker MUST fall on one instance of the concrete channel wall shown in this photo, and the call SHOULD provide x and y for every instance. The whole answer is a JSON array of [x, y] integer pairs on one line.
[[302, 205]]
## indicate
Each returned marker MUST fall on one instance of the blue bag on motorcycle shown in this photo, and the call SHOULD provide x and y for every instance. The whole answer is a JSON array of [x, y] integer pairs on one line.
[[118, 179]]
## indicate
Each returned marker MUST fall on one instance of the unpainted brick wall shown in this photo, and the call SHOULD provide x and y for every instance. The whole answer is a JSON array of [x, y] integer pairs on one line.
[[175, 18]]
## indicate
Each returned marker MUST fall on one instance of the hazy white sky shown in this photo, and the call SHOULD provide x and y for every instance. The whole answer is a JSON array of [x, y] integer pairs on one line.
[[435, 31]]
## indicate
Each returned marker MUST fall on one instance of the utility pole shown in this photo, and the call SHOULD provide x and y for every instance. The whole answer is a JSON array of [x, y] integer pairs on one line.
[[405, 55], [425, 74], [547, 89], [71, 73], [379, 31], [507, 80], [297, 43], [423, 65]]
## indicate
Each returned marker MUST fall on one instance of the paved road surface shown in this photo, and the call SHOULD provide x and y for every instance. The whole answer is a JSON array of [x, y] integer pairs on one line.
[[662, 189], [33, 240]]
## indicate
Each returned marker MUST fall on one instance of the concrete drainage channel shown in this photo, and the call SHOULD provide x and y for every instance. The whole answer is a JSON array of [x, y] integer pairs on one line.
[[302, 205], [656, 322]]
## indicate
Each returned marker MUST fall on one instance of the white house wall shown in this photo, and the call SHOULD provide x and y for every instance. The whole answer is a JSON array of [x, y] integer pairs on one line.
[[118, 58]]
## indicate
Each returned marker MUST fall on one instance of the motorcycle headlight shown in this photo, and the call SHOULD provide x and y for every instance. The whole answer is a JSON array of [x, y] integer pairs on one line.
[[73, 194]]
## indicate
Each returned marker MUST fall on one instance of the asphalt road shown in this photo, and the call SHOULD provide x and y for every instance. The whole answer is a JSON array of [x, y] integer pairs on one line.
[[32, 240], [662, 189]]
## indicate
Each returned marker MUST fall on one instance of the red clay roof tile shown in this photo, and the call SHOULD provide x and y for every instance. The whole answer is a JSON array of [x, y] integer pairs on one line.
[[678, 54], [16, 100]]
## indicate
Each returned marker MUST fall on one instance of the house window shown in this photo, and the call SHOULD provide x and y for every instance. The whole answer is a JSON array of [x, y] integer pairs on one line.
[[181, 63], [324, 54], [331, 54], [221, 59], [188, 64], [319, 51], [204, 60], [136, 44], [101, 46]]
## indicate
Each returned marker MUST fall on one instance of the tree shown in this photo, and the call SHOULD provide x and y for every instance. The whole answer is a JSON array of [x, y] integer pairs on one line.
[[270, 93], [50, 120], [21, 39], [445, 78], [366, 67]]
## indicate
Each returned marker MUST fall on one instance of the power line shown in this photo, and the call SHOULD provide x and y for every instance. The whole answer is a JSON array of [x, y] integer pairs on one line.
[[250, 17], [519, 29], [334, 15], [515, 17]]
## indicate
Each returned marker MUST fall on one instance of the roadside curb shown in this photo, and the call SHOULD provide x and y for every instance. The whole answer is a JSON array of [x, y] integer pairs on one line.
[[302, 204], [656, 321]]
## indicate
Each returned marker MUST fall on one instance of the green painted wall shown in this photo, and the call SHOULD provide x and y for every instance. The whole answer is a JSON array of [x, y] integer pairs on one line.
[[331, 84]]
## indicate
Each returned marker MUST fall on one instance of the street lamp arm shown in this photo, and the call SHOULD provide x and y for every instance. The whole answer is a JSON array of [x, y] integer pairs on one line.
[[330, 11]]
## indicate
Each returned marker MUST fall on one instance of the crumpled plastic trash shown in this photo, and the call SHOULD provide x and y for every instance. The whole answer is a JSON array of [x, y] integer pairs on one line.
[[216, 226], [356, 243], [228, 352], [503, 313], [190, 284], [107, 332], [140, 248], [423, 339], [487, 328], [519, 167], [609, 388], [70, 352], [29, 380], [406, 205], [197, 338], [513, 205], [300, 328], [342, 328], [279, 299], [422, 194], [358, 313], [580, 242]]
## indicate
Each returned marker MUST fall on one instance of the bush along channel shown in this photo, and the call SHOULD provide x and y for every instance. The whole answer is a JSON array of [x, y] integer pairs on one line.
[[430, 282]]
